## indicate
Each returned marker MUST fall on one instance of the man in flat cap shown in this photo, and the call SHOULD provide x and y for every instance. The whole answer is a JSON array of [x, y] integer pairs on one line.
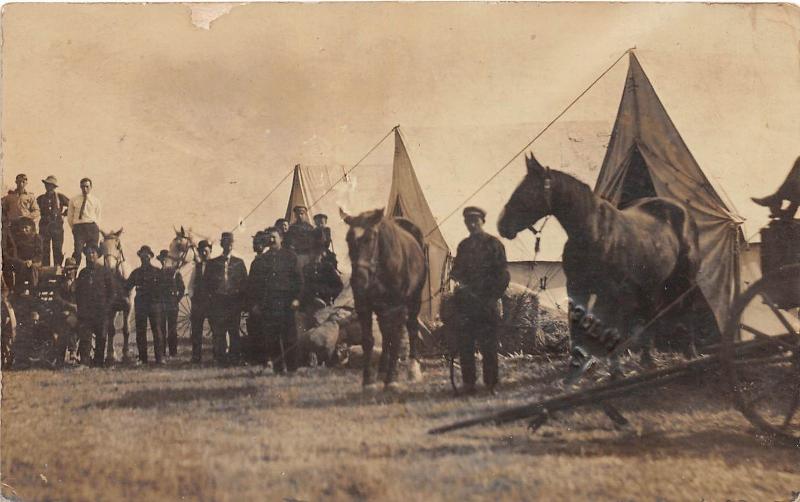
[[256, 280], [95, 289], [19, 202], [147, 305], [277, 302], [323, 243], [53, 208], [172, 290], [83, 216], [201, 298], [300, 237], [481, 270], [282, 225], [22, 255], [227, 278]]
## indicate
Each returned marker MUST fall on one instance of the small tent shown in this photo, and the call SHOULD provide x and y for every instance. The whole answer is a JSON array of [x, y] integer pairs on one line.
[[647, 157], [407, 200], [326, 188]]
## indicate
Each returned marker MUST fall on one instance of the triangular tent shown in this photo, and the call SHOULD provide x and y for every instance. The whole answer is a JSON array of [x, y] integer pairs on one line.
[[647, 157], [299, 195], [407, 200]]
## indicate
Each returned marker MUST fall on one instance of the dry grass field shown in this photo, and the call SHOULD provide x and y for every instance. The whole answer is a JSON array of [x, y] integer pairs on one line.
[[185, 433]]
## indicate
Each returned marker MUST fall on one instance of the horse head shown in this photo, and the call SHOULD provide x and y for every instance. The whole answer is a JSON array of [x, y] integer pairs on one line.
[[363, 248], [531, 201], [111, 247], [179, 247]]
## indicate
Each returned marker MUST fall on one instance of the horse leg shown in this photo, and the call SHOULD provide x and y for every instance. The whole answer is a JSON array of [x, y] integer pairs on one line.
[[111, 331], [414, 343], [126, 314], [391, 330], [367, 344], [580, 359]]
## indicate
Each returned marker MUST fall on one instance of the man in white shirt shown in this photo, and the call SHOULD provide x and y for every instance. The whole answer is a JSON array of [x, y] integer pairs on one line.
[[83, 216]]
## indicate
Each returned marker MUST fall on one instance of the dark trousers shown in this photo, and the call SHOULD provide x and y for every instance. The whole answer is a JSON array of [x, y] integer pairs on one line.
[[225, 318], [88, 328], [82, 234], [483, 333], [152, 313], [52, 234], [254, 345], [169, 326], [280, 337], [198, 317]]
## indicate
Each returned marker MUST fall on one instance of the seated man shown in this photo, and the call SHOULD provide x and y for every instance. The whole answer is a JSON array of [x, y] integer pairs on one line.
[[23, 254], [321, 285], [65, 320]]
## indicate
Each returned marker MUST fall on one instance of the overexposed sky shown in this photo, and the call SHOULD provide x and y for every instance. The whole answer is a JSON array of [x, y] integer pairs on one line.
[[185, 118]]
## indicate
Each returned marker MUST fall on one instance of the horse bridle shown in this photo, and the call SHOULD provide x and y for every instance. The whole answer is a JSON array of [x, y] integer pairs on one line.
[[548, 200], [371, 264]]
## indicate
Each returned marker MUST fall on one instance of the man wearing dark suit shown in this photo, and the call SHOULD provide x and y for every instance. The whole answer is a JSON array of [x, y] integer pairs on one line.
[[147, 304], [227, 277], [94, 290], [52, 209], [201, 299], [256, 281], [277, 302], [172, 289]]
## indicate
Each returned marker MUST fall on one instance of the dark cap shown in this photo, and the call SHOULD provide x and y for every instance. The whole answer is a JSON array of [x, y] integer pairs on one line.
[[90, 247], [319, 216], [203, 244], [474, 211], [226, 235], [70, 263], [163, 255], [260, 236], [278, 222], [145, 250], [297, 208]]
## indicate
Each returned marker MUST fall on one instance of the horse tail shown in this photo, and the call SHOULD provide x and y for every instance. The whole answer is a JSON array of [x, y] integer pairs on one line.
[[687, 265]]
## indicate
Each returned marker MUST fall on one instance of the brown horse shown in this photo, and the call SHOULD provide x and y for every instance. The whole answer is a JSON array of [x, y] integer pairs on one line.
[[387, 278], [114, 260], [622, 266]]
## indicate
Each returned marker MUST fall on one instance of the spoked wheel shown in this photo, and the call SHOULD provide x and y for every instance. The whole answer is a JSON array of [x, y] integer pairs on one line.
[[761, 354], [185, 319]]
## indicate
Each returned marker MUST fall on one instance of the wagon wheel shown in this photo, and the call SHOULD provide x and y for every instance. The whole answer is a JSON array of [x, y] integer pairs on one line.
[[184, 323], [766, 384]]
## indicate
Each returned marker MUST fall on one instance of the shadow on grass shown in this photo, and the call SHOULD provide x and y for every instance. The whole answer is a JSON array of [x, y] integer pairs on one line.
[[156, 398]]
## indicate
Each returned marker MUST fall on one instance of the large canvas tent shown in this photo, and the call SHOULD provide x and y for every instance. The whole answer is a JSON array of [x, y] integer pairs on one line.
[[647, 157], [326, 188], [407, 200]]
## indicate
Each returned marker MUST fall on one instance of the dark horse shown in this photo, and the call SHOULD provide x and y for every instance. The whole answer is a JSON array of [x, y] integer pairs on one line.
[[623, 267], [388, 276]]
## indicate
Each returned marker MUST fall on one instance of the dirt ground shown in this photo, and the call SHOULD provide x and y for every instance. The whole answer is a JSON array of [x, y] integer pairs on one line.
[[185, 433]]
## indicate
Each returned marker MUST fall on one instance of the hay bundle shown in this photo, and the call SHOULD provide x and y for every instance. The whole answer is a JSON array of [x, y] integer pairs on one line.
[[526, 327]]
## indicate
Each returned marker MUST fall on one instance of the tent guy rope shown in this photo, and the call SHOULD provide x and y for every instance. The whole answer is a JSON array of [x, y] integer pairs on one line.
[[522, 150]]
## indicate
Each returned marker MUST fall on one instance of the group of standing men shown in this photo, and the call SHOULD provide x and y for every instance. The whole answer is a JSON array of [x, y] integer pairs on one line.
[[294, 272], [21, 209]]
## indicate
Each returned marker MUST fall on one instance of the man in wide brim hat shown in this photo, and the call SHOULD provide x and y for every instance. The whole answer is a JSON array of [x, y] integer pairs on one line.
[[145, 250], [52, 210]]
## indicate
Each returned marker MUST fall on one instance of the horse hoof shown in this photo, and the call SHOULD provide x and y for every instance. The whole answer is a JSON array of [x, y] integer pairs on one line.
[[414, 371], [370, 389]]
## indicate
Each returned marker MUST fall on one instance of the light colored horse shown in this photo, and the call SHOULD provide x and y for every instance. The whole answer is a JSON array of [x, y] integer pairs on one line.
[[114, 260]]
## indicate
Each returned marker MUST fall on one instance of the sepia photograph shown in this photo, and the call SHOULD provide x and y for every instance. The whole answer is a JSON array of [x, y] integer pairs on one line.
[[400, 251]]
